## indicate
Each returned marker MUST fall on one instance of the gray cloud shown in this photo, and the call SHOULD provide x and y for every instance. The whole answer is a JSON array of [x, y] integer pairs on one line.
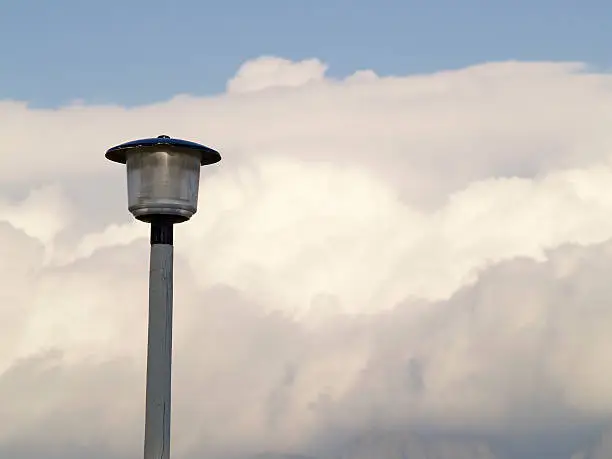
[[494, 369]]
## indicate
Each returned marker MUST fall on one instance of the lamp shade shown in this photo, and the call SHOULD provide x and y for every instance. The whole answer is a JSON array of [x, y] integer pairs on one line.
[[163, 176]]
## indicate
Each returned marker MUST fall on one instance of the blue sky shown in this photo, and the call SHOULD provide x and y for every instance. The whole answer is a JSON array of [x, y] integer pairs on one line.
[[134, 52]]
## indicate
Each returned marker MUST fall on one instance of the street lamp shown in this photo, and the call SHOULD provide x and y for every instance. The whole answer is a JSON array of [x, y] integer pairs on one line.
[[163, 176]]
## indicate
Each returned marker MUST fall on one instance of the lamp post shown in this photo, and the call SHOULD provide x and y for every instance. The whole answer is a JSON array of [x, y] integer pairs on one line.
[[163, 176]]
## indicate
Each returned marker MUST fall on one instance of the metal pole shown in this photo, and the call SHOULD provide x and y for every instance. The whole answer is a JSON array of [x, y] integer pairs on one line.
[[159, 350]]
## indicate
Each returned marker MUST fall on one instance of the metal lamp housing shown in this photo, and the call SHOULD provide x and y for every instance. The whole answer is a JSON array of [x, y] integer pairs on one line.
[[163, 176]]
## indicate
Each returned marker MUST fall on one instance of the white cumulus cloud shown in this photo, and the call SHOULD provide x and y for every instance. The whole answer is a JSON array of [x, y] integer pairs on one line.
[[408, 266]]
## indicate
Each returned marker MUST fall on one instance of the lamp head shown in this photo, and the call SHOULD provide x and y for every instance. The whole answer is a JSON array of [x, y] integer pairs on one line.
[[163, 176]]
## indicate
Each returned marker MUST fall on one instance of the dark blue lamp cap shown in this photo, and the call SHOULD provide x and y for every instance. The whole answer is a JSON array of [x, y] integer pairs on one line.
[[119, 153]]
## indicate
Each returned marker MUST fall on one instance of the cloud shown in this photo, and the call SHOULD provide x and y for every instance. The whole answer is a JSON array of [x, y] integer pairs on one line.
[[380, 266], [273, 72]]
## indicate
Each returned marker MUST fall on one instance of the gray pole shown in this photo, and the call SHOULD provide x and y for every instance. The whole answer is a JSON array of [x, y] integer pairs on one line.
[[159, 351], [162, 177]]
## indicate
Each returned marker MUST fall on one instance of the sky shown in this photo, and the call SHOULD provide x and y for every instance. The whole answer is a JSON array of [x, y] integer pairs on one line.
[[135, 52], [404, 253]]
